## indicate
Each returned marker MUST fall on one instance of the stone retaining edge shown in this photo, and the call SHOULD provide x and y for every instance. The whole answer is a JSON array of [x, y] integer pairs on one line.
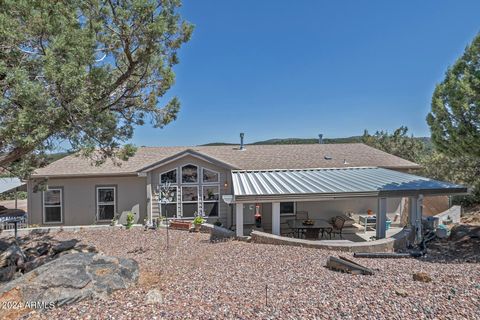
[[396, 242]]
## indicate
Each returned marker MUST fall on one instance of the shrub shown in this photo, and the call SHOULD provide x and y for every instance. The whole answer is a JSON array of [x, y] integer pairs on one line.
[[130, 219]]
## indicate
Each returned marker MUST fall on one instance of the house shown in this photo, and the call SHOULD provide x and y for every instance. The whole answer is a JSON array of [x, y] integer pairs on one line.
[[230, 184]]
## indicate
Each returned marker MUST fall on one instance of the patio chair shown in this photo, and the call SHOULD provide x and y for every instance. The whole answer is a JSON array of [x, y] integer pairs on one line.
[[286, 231], [337, 227], [301, 215]]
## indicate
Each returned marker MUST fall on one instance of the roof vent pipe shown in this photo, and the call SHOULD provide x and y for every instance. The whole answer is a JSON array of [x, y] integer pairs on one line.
[[242, 147], [320, 138]]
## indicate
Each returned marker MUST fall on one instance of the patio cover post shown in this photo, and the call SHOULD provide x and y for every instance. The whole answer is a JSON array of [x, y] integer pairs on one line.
[[149, 203], [418, 219], [412, 211], [382, 218], [239, 219], [276, 218]]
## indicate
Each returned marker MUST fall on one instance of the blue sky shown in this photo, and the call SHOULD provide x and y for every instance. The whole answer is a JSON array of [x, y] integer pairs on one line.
[[277, 69]]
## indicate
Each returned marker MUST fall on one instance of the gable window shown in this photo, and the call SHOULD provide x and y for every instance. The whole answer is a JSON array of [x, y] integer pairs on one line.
[[210, 176], [169, 176], [106, 207], [189, 201], [169, 207], [189, 174], [53, 205], [287, 208], [211, 197]]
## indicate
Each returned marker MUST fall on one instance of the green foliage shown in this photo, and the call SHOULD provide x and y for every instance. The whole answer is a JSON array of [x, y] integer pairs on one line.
[[130, 220], [198, 220], [462, 170], [21, 195], [455, 116], [398, 143], [84, 73]]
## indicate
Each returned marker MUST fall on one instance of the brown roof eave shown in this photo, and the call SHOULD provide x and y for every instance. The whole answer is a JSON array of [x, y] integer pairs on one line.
[[84, 175]]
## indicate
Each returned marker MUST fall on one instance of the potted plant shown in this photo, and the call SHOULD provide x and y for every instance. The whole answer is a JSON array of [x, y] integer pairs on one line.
[[130, 219], [197, 222]]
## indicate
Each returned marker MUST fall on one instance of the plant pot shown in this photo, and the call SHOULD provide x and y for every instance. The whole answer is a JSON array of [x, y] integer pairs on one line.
[[197, 227]]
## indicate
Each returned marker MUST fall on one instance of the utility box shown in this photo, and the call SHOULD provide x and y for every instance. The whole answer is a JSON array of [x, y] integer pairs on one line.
[[430, 223]]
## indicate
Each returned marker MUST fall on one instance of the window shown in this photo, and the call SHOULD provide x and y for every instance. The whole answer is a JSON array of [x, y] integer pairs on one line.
[[287, 208], [209, 176], [169, 203], [52, 205], [189, 201], [189, 174], [211, 197], [169, 176], [106, 203]]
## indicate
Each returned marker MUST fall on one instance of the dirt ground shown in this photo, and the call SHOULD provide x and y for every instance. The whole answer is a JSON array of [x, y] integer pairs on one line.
[[10, 204]]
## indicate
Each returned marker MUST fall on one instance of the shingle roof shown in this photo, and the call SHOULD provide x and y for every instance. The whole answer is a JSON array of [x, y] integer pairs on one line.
[[254, 157]]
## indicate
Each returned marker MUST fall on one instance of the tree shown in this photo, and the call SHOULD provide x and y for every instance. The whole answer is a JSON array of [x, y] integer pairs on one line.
[[84, 73], [455, 116], [398, 143], [461, 170]]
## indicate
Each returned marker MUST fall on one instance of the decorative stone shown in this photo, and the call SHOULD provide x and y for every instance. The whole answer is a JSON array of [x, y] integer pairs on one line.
[[422, 277], [154, 296], [64, 246], [401, 292], [73, 277]]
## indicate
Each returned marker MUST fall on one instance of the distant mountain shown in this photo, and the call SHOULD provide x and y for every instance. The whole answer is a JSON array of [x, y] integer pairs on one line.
[[353, 139]]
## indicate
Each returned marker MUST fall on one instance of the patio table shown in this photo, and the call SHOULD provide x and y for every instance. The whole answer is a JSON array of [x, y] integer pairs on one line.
[[311, 231]]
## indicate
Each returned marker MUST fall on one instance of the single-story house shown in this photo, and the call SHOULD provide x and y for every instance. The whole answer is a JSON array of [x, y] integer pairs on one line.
[[231, 184]]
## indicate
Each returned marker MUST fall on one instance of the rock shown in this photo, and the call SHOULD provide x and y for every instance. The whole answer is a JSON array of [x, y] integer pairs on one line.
[[7, 273], [401, 292], [12, 255], [35, 263], [154, 296], [64, 246], [73, 277], [219, 233], [422, 277]]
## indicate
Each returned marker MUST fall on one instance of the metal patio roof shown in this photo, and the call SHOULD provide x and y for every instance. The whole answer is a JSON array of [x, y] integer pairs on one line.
[[10, 184], [315, 184]]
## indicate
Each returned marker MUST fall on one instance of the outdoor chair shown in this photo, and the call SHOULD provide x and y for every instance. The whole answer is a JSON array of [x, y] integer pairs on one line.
[[286, 231], [337, 227], [301, 216]]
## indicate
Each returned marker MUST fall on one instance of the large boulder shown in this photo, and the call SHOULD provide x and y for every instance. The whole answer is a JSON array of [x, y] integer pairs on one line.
[[71, 278]]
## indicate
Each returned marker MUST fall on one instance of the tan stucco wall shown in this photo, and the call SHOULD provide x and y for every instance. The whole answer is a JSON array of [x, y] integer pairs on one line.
[[79, 207], [225, 179]]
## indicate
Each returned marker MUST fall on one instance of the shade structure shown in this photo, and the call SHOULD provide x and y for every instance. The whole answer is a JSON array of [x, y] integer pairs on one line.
[[11, 184], [317, 184]]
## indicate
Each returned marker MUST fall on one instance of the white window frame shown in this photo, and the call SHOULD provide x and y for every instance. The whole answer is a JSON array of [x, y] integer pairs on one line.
[[52, 206], [199, 172], [98, 204], [160, 176], [173, 202], [188, 202], [209, 182], [289, 214], [211, 201]]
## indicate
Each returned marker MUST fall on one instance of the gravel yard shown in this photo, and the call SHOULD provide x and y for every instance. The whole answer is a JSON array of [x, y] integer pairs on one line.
[[202, 280]]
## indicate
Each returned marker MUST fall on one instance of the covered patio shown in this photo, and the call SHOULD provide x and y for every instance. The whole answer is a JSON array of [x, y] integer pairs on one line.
[[316, 192]]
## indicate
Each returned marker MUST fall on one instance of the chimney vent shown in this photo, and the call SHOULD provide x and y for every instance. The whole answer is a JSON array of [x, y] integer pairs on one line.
[[242, 147], [320, 138]]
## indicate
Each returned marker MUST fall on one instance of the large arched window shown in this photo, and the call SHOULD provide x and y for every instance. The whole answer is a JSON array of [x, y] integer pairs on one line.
[[169, 176], [189, 174]]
